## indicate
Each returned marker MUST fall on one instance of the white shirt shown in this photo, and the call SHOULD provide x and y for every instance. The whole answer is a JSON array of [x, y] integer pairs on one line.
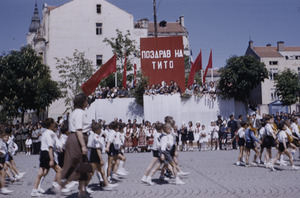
[[47, 140], [241, 132], [3, 148], [96, 141], [262, 132], [269, 130], [63, 139], [79, 121], [156, 141], [166, 142], [295, 129], [214, 129], [28, 142], [282, 137]]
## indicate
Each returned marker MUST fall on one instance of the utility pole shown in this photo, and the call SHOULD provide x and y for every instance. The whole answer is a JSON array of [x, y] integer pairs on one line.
[[155, 23]]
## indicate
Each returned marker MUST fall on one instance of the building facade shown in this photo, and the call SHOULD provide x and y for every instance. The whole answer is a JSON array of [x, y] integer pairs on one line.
[[276, 59], [83, 25]]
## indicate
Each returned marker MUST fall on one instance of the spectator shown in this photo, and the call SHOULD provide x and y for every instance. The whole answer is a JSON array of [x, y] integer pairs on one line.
[[189, 90], [232, 124], [123, 93]]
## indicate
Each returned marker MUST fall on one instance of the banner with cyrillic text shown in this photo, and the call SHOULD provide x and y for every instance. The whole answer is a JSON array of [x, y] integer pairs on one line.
[[162, 59]]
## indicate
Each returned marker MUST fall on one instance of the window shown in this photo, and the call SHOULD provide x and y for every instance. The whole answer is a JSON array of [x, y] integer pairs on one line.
[[273, 62], [98, 60], [273, 73], [98, 28], [298, 72], [274, 95], [98, 8], [297, 57]]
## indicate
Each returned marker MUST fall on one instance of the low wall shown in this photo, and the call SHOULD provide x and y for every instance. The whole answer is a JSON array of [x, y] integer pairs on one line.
[[156, 107], [203, 109], [121, 108]]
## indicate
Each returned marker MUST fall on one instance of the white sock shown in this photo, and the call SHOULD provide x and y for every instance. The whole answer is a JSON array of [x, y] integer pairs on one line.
[[281, 158], [41, 181], [121, 165]]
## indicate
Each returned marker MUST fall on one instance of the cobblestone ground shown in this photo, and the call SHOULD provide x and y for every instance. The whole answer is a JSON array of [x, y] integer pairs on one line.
[[213, 174]]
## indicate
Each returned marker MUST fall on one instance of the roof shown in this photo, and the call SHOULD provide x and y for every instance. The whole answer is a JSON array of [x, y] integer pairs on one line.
[[173, 27], [51, 8], [291, 48], [272, 52], [267, 51]]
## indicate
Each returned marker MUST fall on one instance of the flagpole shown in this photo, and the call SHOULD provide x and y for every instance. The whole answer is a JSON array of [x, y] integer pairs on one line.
[[212, 74], [116, 80]]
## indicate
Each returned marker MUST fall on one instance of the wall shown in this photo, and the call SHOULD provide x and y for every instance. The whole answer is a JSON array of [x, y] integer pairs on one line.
[[157, 107]]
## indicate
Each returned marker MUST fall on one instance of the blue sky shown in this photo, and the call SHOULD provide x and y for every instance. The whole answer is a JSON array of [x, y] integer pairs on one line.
[[224, 26]]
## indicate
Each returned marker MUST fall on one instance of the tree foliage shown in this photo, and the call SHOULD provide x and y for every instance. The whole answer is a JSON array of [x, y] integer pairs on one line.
[[140, 89], [25, 83], [120, 45], [241, 75], [287, 87], [73, 72]]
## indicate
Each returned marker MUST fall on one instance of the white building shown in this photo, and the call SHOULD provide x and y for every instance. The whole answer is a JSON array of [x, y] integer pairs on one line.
[[83, 25], [276, 60]]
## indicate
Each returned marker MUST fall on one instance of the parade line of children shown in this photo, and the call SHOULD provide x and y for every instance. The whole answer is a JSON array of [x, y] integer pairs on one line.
[[284, 136], [117, 138], [7, 164]]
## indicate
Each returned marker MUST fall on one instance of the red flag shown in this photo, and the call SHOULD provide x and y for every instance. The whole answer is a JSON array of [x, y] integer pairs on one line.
[[134, 75], [109, 67], [209, 65], [124, 82], [196, 66]]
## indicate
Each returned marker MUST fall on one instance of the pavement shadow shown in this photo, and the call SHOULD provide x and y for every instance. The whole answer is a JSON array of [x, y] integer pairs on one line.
[[159, 182]]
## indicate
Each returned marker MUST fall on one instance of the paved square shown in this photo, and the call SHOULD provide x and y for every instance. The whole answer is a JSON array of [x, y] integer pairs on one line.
[[213, 174]]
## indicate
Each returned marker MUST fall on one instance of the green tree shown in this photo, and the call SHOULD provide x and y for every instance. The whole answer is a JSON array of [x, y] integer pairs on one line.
[[120, 45], [287, 87], [241, 75], [140, 89], [73, 72], [25, 83]]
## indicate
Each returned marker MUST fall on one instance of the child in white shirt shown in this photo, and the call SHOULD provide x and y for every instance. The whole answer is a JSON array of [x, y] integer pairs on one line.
[[28, 144]]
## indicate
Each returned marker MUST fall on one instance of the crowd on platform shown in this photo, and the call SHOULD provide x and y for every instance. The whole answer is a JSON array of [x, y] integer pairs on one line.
[[172, 88]]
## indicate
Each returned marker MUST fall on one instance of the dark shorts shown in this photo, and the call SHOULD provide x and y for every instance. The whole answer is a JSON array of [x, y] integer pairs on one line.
[[168, 157], [172, 151], [112, 151], [250, 145], [45, 159], [269, 142], [2, 161], [281, 147], [155, 153], [190, 136], [94, 158], [223, 135], [241, 142]]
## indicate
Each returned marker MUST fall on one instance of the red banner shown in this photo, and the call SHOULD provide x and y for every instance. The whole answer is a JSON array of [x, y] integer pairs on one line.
[[162, 59]]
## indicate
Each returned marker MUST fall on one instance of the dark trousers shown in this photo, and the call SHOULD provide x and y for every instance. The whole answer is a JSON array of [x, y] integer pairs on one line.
[[234, 141]]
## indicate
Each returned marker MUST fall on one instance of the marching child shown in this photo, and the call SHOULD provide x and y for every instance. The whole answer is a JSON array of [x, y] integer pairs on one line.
[[250, 143], [46, 156], [3, 151], [155, 152], [112, 150], [241, 141], [167, 143], [96, 144], [283, 148]]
